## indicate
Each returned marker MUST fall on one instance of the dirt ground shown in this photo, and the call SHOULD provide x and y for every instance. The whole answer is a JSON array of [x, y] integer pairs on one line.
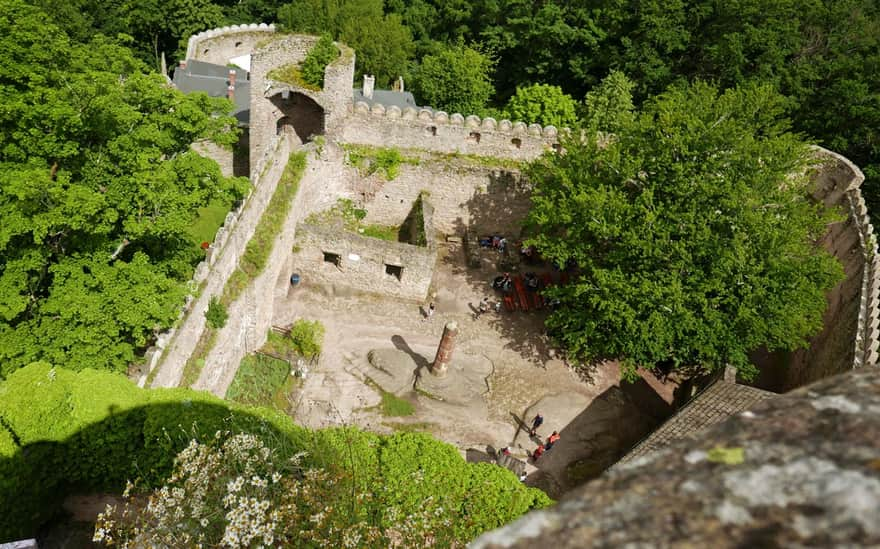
[[502, 374]]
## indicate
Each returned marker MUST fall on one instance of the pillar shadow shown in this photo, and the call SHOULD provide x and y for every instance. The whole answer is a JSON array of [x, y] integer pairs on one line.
[[422, 363]]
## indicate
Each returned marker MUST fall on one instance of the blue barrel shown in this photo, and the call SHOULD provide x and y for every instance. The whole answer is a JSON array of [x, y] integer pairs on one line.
[[294, 279]]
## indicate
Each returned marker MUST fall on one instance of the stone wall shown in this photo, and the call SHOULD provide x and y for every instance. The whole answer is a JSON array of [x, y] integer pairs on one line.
[[463, 194], [266, 95], [800, 470], [250, 317], [440, 132], [218, 46], [173, 347], [849, 338], [363, 261], [223, 156]]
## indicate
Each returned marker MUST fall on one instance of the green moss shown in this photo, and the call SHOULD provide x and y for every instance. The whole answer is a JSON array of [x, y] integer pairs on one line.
[[383, 160], [413, 427], [259, 247], [382, 232], [196, 361], [291, 74]]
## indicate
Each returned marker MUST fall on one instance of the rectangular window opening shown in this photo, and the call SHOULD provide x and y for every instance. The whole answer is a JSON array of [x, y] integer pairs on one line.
[[335, 259], [394, 270]]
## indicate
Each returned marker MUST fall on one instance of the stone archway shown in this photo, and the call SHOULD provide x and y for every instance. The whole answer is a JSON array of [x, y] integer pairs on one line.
[[301, 116]]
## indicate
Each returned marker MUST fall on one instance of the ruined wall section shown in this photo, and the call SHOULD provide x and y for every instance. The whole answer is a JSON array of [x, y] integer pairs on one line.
[[335, 98], [173, 347], [250, 316], [219, 45], [849, 338], [223, 156], [443, 133], [362, 262], [464, 194]]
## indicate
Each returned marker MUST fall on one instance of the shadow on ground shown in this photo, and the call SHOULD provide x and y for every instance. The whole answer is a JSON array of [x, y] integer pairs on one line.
[[595, 439]]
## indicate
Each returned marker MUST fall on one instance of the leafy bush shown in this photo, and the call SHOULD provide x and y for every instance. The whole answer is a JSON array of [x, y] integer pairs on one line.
[[307, 337], [65, 431], [317, 59], [216, 314]]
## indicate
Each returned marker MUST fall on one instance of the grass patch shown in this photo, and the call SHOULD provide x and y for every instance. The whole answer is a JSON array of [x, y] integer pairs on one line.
[[428, 394], [193, 367], [383, 232], [261, 380], [383, 160], [391, 405], [291, 74], [256, 254], [415, 427], [209, 219], [345, 215]]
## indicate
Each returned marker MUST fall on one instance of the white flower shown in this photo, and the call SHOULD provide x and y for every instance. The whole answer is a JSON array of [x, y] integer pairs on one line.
[[235, 485]]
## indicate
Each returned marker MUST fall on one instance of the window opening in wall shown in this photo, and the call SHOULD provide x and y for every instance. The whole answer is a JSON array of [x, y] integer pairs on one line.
[[557, 147], [335, 259], [238, 44], [474, 137], [516, 142], [432, 130], [205, 52], [394, 270]]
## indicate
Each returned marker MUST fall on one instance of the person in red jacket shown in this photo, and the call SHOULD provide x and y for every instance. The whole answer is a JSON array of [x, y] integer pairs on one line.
[[552, 439], [539, 451]]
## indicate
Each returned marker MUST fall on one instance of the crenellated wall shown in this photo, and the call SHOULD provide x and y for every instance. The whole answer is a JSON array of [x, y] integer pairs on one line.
[[849, 337], [219, 45], [443, 133]]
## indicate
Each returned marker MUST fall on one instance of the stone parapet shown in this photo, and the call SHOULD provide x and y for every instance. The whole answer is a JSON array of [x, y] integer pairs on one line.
[[219, 45], [440, 132]]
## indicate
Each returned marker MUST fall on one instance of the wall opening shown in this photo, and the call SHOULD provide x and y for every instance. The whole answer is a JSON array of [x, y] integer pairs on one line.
[[394, 270], [557, 148], [330, 257], [516, 142], [238, 44], [432, 130], [474, 137], [300, 116], [205, 51]]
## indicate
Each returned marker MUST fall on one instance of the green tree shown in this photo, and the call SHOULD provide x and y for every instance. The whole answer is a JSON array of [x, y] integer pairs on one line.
[[383, 45], [457, 79], [542, 104], [98, 189], [317, 59], [691, 238], [609, 106]]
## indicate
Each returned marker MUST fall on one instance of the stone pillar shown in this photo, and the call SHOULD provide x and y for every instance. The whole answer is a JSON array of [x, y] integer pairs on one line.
[[444, 350]]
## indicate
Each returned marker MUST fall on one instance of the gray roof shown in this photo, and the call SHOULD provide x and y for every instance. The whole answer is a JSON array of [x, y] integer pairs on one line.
[[714, 404], [387, 98], [214, 80]]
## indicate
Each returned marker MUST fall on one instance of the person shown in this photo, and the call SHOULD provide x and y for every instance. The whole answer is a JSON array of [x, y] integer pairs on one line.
[[551, 440], [539, 451], [483, 307], [502, 244], [539, 419], [430, 312], [531, 281], [523, 476]]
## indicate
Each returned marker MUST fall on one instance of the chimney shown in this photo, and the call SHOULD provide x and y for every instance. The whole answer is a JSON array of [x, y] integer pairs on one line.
[[369, 82], [400, 87], [232, 77], [230, 92]]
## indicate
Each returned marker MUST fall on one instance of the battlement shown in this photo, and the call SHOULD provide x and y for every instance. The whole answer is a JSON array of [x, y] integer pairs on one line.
[[220, 45], [441, 132]]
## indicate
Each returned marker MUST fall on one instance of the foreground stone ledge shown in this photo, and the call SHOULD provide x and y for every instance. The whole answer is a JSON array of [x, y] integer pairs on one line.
[[809, 474]]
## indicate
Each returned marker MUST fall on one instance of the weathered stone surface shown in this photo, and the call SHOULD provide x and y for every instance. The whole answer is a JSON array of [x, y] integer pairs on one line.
[[810, 476]]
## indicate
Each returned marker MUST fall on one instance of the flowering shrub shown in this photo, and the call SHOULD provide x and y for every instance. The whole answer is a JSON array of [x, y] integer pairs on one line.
[[234, 492]]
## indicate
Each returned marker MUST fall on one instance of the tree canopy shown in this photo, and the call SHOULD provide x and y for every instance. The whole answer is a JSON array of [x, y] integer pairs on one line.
[[691, 240], [542, 104], [98, 189], [456, 79]]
